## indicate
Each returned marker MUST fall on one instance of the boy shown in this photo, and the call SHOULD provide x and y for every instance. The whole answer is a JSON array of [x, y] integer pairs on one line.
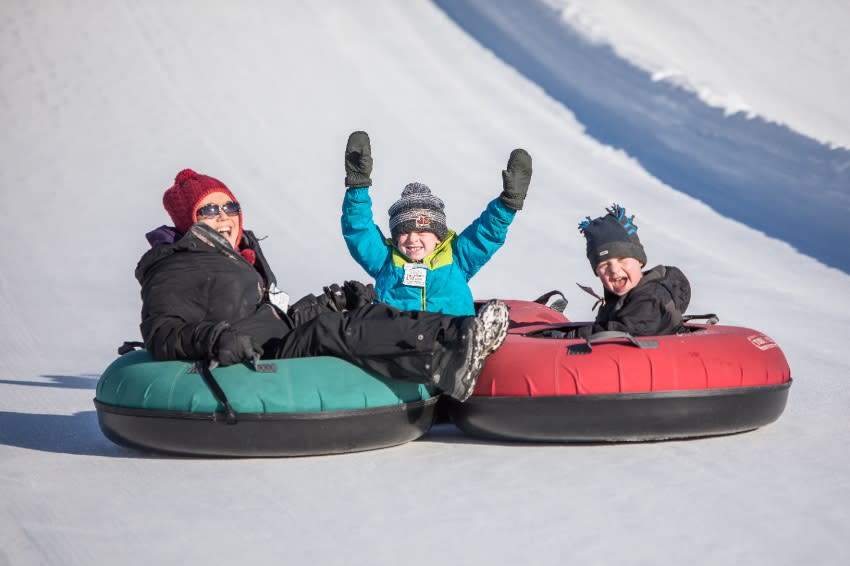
[[425, 266], [649, 303]]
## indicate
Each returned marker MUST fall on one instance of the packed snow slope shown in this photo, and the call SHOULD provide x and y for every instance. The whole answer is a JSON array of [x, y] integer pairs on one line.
[[102, 103], [760, 173], [735, 57]]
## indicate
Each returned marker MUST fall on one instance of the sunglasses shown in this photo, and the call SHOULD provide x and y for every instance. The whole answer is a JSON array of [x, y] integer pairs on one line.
[[213, 210]]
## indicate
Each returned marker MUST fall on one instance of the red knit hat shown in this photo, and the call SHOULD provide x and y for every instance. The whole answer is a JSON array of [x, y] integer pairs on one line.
[[182, 199]]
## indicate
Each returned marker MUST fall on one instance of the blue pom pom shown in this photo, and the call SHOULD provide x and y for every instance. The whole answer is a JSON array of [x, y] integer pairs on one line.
[[619, 213]]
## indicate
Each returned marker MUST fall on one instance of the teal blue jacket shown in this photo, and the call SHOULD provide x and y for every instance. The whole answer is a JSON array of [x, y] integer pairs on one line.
[[450, 266]]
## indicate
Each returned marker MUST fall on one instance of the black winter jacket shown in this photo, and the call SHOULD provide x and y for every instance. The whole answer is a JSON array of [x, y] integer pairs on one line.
[[197, 286], [653, 308]]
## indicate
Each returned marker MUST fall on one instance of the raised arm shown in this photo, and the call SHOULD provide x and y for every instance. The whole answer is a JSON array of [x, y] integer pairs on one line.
[[481, 239], [365, 241]]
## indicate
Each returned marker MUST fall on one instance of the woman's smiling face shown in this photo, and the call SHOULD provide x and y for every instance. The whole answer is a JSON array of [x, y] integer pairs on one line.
[[619, 275], [225, 224], [417, 245]]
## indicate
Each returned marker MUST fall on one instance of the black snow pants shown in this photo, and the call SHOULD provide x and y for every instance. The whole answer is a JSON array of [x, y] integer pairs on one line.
[[378, 338]]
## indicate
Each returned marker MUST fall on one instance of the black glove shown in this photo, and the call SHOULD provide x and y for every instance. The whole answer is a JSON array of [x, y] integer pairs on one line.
[[308, 307], [231, 348], [334, 297], [515, 179], [357, 294], [358, 160]]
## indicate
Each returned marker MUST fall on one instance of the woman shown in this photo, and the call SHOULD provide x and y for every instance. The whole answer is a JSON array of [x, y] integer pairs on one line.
[[208, 293]]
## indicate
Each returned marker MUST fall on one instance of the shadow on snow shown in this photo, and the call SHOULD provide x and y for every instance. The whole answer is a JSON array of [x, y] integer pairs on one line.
[[60, 381], [63, 434], [761, 174]]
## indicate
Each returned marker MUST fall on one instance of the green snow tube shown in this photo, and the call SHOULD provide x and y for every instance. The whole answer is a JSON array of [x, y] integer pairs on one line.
[[295, 407]]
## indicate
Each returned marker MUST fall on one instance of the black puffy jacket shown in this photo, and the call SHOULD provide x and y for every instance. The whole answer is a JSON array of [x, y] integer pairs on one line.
[[653, 308], [197, 286]]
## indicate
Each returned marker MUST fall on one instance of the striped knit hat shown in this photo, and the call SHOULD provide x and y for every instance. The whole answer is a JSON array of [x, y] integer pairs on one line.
[[418, 211]]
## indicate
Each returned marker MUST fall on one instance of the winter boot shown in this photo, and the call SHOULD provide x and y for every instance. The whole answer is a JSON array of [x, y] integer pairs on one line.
[[458, 362], [494, 317]]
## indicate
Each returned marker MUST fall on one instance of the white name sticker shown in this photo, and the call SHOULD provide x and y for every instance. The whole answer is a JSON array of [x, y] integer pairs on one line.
[[278, 298], [415, 274]]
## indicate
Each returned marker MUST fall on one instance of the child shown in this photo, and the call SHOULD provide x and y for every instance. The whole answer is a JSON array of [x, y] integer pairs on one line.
[[425, 266], [649, 303]]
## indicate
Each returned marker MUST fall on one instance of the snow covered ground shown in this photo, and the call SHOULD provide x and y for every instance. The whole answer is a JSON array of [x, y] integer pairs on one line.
[[102, 103], [735, 56], [749, 169]]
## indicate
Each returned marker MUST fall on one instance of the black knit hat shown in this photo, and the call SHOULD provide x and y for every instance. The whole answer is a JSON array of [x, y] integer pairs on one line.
[[612, 235], [418, 211]]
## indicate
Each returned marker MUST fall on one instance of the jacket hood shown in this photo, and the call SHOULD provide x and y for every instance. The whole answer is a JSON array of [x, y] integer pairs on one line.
[[672, 279], [440, 256], [166, 240], [163, 235]]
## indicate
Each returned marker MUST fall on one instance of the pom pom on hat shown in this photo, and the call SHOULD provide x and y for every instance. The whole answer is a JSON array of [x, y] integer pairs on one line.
[[612, 235], [181, 200], [418, 211]]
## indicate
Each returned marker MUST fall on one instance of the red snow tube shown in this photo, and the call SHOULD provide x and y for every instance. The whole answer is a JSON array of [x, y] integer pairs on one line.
[[708, 380]]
